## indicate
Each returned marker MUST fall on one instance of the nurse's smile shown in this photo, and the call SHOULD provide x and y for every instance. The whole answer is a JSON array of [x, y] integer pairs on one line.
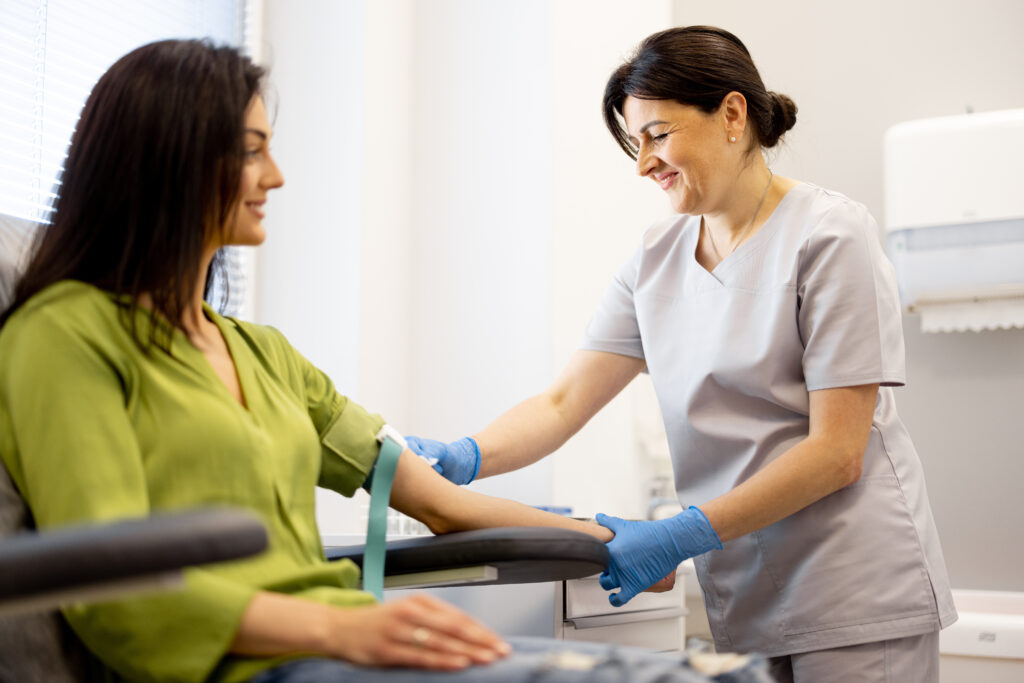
[[665, 180]]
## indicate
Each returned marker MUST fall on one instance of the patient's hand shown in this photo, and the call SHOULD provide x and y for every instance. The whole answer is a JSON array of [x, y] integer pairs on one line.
[[419, 632], [666, 584]]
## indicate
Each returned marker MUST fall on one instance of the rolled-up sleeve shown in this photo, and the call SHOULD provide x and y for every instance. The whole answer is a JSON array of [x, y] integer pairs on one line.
[[349, 446]]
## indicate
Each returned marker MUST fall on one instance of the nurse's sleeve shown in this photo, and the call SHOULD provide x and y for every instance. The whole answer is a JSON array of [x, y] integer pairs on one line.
[[614, 327], [77, 460], [848, 305]]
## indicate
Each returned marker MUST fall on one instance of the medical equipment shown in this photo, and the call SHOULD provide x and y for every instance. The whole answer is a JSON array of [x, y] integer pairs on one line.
[[954, 215]]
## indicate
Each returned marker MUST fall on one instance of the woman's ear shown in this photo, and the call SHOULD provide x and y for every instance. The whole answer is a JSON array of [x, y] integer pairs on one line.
[[733, 111]]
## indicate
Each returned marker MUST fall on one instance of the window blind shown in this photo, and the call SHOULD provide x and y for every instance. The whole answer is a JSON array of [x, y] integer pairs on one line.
[[51, 54]]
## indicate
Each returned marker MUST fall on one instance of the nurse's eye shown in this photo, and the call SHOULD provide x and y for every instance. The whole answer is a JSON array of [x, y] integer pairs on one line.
[[658, 139], [253, 154]]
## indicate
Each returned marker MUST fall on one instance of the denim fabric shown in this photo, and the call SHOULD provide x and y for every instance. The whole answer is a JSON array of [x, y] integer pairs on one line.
[[535, 660]]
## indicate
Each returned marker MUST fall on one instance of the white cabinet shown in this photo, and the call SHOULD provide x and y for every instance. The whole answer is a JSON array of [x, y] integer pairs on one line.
[[656, 621]]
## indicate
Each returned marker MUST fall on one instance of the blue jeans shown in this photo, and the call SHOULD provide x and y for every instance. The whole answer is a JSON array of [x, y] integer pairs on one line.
[[534, 660]]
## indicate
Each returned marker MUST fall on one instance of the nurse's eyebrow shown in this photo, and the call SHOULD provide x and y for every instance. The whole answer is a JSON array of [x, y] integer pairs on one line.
[[644, 128], [256, 132]]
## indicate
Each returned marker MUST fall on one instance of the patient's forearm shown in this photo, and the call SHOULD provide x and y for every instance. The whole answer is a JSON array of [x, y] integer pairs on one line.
[[444, 507], [276, 624]]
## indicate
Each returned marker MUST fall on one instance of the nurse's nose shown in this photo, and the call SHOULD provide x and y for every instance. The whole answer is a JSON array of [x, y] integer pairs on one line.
[[645, 161]]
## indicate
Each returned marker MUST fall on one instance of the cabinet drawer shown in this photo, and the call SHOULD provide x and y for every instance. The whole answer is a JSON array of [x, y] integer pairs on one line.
[[585, 598], [661, 635]]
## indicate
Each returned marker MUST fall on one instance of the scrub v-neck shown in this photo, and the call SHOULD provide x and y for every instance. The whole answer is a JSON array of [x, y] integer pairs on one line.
[[747, 247]]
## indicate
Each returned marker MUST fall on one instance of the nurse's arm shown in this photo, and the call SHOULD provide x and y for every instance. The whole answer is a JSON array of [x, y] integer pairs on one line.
[[542, 423], [421, 493], [830, 458]]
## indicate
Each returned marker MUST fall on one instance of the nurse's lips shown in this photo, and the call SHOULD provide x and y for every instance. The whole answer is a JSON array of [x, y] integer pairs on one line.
[[665, 180]]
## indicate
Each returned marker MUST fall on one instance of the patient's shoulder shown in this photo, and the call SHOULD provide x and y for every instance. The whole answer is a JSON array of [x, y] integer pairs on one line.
[[75, 308]]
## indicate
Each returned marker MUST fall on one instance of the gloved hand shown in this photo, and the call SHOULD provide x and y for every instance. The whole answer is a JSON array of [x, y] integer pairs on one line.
[[643, 553], [458, 461]]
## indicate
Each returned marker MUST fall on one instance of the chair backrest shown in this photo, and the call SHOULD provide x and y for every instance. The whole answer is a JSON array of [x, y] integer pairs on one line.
[[15, 238], [34, 647]]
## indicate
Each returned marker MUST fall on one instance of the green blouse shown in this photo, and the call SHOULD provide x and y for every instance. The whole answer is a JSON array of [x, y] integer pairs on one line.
[[94, 428]]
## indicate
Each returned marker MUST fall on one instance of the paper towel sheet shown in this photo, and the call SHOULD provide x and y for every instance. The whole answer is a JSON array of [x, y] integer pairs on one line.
[[987, 314]]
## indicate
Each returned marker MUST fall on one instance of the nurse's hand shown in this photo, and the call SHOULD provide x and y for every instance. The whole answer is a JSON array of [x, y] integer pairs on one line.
[[642, 553], [458, 461]]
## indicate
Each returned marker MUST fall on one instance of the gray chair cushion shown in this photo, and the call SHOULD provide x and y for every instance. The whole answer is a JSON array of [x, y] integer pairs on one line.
[[37, 647]]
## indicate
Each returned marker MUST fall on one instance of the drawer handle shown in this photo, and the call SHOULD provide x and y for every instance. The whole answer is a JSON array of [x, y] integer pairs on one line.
[[627, 617]]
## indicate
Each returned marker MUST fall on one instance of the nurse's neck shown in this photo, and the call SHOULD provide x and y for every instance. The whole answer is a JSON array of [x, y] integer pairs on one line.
[[744, 208]]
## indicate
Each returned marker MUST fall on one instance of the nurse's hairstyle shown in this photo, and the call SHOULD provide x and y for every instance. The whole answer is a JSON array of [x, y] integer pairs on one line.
[[698, 66], [153, 171]]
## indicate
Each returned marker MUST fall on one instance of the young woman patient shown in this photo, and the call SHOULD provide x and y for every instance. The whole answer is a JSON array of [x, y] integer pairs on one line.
[[123, 393]]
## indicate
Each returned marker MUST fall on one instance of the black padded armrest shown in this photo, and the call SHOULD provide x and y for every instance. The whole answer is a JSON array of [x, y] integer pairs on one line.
[[520, 554], [77, 558]]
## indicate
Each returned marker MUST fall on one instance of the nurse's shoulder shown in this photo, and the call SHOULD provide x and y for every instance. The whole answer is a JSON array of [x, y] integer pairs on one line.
[[831, 215]]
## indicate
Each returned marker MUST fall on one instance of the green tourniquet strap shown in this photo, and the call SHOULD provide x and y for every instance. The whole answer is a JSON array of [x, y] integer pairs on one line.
[[377, 525]]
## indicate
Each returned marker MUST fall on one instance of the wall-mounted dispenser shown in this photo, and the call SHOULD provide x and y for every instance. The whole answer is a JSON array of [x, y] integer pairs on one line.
[[954, 214]]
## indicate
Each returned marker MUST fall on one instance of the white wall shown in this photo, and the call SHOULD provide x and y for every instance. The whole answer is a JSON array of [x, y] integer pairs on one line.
[[308, 269], [854, 69]]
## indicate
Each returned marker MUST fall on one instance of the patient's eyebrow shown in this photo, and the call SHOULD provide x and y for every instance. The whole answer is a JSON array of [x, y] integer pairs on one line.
[[256, 131]]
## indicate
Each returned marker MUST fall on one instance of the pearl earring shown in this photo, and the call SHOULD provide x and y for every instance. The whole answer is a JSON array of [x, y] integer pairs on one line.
[[732, 138]]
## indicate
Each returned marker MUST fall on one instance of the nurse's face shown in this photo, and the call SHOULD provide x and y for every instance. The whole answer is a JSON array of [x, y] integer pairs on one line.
[[682, 149]]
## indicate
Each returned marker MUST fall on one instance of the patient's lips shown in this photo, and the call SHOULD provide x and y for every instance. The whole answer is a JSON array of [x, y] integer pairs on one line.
[[257, 208]]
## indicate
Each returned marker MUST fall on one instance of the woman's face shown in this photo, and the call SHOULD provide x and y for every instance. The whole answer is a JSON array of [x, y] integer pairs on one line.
[[260, 174], [684, 150]]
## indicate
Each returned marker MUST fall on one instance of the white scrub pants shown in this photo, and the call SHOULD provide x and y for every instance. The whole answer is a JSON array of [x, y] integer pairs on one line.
[[904, 660]]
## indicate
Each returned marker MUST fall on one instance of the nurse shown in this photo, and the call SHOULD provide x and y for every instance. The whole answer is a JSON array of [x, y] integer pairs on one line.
[[766, 314]]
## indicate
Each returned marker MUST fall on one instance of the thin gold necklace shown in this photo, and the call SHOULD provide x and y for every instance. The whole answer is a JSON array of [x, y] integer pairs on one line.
[[743, 235]]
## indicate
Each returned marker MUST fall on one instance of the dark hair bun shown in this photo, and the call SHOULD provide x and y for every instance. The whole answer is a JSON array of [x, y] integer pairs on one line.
[[783, 118]]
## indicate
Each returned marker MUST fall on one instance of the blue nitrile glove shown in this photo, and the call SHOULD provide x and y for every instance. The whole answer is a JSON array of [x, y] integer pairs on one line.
[[643, 553], [458, 461]]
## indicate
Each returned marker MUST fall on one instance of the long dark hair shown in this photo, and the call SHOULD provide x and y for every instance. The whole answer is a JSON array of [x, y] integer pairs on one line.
[[698, 66], [152, 172]]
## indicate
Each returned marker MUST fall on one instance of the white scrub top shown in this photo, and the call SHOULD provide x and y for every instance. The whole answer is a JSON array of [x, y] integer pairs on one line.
[[808, 302]]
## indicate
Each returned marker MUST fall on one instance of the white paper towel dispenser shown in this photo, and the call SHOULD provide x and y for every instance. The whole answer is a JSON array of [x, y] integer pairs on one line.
[[954, 215]]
